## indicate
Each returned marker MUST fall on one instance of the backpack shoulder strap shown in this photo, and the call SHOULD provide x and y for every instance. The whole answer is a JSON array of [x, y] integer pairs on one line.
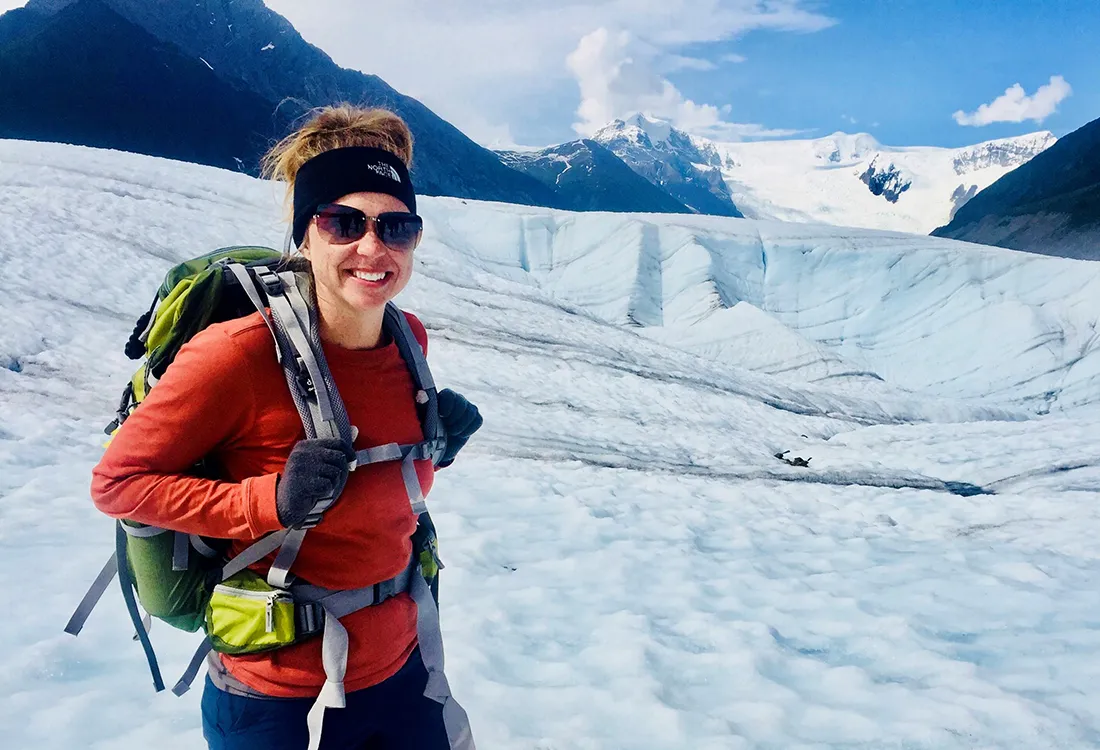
[[397, 326], [293, 325]]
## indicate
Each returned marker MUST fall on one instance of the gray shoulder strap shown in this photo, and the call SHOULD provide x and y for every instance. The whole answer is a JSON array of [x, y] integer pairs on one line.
[[293, 324], [397, 325], [293, 320], [249, 287], [298, 345]]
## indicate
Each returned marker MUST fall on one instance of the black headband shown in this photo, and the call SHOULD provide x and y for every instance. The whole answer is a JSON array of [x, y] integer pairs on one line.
[[341, 171]]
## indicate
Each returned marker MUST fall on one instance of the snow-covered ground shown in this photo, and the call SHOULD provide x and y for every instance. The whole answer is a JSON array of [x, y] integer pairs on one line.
[[814, 303], [628, 564]]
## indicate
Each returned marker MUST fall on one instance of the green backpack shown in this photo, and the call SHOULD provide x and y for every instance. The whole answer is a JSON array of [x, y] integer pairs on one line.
[[186, 580]]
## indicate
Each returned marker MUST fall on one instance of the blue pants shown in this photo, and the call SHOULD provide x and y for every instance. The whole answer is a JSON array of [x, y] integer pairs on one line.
[[393, 715]]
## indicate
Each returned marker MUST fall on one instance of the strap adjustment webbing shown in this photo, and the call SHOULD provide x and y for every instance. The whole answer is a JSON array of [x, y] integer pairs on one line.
[[334, 649]]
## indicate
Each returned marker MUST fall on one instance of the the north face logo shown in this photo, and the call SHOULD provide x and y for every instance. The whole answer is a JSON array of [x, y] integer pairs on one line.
[[385, 170]]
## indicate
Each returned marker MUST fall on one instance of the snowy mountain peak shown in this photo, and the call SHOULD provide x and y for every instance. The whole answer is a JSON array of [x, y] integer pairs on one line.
[[844, 148], [657, 130], [646, 132], [588, 177], [1004, 152], [687, 167], [853, 180], [638, 129]]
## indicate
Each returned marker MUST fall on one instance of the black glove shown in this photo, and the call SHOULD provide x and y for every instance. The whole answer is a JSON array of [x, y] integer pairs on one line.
[[316, 469], [460, 420]]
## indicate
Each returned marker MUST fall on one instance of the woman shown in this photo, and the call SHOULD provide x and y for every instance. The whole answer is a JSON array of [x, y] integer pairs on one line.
[[225, 397]]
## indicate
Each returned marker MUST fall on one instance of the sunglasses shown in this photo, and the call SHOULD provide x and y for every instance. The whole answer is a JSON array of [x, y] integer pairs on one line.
[[341, 225]]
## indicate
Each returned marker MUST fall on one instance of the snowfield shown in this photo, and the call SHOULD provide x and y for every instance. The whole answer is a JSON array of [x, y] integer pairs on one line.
[[842, 179], [828, 179], [628, 563]]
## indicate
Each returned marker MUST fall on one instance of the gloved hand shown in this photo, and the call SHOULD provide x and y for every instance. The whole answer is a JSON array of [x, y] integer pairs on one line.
[[460, 420], [316, 469]]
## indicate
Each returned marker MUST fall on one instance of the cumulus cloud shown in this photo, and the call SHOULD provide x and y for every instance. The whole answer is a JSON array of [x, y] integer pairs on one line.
[[1016, 106], [618, 75]]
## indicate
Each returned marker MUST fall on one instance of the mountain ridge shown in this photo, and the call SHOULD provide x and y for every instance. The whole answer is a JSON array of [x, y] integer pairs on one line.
[[853, 180], [247, 67], [1050, 205], [590, 177], [65, 100], [290, 78], [673, 160]]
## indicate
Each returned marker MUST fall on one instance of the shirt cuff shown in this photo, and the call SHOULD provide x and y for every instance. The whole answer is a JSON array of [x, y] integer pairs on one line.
[[259, 504]]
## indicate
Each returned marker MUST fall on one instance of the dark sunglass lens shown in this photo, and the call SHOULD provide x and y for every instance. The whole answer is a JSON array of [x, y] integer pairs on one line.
[[400, 232], [342, 224]]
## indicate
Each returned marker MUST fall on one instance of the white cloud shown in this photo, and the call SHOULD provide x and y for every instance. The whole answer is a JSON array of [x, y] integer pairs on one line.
[[618, 76], [733, 57], [1016, 106], [490, 64], [678, 62]]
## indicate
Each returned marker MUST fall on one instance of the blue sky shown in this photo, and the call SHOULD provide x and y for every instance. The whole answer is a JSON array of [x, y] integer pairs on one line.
[[908, 65], [543, 71], [536, 72]]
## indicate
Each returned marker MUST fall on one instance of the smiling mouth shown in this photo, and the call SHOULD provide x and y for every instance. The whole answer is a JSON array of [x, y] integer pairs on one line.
[[371, 277]]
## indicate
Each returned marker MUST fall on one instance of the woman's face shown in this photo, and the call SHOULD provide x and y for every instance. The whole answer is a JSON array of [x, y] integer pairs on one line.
[[361, 276]]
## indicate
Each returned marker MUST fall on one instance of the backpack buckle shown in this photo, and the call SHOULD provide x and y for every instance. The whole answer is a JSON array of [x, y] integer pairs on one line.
[[309, 619], [435, 447], [427, 450], [317, 514], [303, 378], [123, 411], [311, 520], [270, 281]]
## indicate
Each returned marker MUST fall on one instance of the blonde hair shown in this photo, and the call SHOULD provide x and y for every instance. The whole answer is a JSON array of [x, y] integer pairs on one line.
[[337, 126], [332, 127]]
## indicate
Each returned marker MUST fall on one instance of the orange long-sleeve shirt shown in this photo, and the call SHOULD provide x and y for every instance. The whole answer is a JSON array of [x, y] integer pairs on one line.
[[225, 396]]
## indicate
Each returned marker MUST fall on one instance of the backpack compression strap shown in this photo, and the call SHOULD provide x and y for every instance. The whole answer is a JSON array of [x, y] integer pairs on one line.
[[140, 627]]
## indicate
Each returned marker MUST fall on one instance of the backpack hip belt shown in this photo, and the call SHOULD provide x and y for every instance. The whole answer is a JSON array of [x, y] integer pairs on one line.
[[325, 607]]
